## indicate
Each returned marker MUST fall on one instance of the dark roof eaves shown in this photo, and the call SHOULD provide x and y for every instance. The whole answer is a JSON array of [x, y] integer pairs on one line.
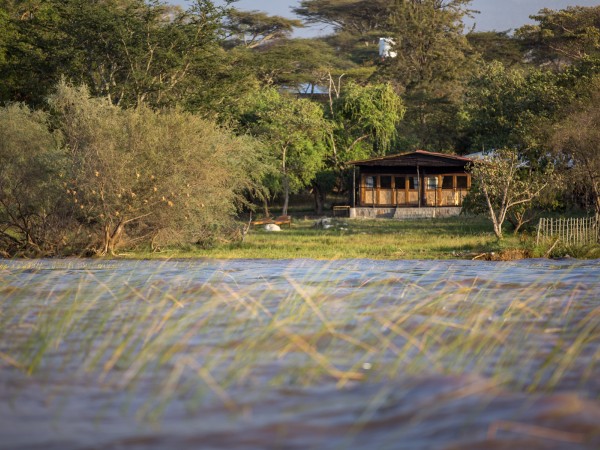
[[420, 152]]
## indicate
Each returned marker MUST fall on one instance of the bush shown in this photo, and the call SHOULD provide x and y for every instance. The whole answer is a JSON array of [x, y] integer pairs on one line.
[[33, 220], [124, 176]]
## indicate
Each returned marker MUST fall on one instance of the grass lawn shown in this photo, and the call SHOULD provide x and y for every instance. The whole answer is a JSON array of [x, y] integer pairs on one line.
[[462, 237]]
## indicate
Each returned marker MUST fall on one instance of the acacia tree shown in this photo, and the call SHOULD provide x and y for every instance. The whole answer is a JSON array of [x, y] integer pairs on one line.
[[497, 46], [562, 37], [433, 60], [302, 64], [502, 183], [139, 176], [254, 28], [429, 40], [354, 16]]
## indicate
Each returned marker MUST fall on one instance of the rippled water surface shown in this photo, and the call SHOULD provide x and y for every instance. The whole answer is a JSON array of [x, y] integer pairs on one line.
[[299, 354]]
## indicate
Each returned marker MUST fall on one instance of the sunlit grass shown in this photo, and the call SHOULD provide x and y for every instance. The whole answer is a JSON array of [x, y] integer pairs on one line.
[[462, 237]]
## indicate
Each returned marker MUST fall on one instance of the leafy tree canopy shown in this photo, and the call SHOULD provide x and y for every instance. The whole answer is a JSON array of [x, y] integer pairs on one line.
[[293, 130], [369, 113], [497, 46], [299, 64], [254, 28], [31, 159], [513, 107], [130, 51], [562, 37], [577, 139], [432, 63], [429, 40], [353, 16]]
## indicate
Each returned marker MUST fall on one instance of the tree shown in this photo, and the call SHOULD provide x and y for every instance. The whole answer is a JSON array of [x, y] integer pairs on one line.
[[429, 40], [357, 26], [433, 61], [577, 139], [353, 16], [365, 120], [254, 28], [7, 34], [33, 220], [142, 176], [131, 51], [503, 183], [293, 130], [497, 46], [562, 37], [299, 64], [514, 108]]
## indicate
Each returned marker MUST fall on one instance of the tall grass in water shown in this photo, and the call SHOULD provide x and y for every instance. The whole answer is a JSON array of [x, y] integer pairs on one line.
[[178, 333]]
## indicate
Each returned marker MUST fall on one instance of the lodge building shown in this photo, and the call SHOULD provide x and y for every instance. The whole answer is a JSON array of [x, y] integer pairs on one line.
[[415, 184]]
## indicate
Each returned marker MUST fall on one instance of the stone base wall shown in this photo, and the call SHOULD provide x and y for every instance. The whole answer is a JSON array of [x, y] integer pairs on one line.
[[404, 213]]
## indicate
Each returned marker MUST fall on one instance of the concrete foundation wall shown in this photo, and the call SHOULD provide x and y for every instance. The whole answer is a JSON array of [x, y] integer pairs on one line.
[[404, 213]]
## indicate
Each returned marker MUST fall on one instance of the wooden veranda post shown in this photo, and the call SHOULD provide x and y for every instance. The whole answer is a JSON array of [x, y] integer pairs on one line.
[[354, 186]]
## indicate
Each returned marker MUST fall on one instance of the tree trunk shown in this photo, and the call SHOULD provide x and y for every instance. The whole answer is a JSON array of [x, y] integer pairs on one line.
[[286, 182], [518, 219], [496, 221], [319, 199], [286, 194], [497, 229], [111, 239]]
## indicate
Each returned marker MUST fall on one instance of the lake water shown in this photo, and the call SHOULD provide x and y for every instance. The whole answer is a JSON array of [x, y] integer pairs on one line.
[[299, 354]]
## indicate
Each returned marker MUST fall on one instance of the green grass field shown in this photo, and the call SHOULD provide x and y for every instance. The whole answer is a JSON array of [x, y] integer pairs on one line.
[[462, 237]]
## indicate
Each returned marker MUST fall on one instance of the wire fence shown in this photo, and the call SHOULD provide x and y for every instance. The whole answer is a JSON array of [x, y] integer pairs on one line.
[[570, 231]]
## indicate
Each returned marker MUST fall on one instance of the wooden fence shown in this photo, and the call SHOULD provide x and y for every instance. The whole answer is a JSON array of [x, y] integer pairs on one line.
[[570, 231]]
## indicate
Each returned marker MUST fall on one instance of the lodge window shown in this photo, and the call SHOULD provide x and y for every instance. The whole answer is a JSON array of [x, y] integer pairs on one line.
[[399, 182], [385, 182], [370, 182], [413, 182], [461, 182], [432, 182], [448, 182]]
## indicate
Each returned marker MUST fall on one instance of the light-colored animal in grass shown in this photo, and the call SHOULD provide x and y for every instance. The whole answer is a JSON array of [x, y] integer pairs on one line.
[[272, 227]]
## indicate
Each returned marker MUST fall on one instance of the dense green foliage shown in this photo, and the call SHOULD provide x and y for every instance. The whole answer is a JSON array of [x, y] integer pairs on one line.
[[293, 130], [576, 141], [108, 176], [30, 160], [311, 105]]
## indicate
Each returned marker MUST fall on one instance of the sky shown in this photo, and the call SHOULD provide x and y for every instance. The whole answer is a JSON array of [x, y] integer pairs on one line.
[[497, 15]]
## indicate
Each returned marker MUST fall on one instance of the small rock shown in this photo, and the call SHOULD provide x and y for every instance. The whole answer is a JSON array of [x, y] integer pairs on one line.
[[323, 223]]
